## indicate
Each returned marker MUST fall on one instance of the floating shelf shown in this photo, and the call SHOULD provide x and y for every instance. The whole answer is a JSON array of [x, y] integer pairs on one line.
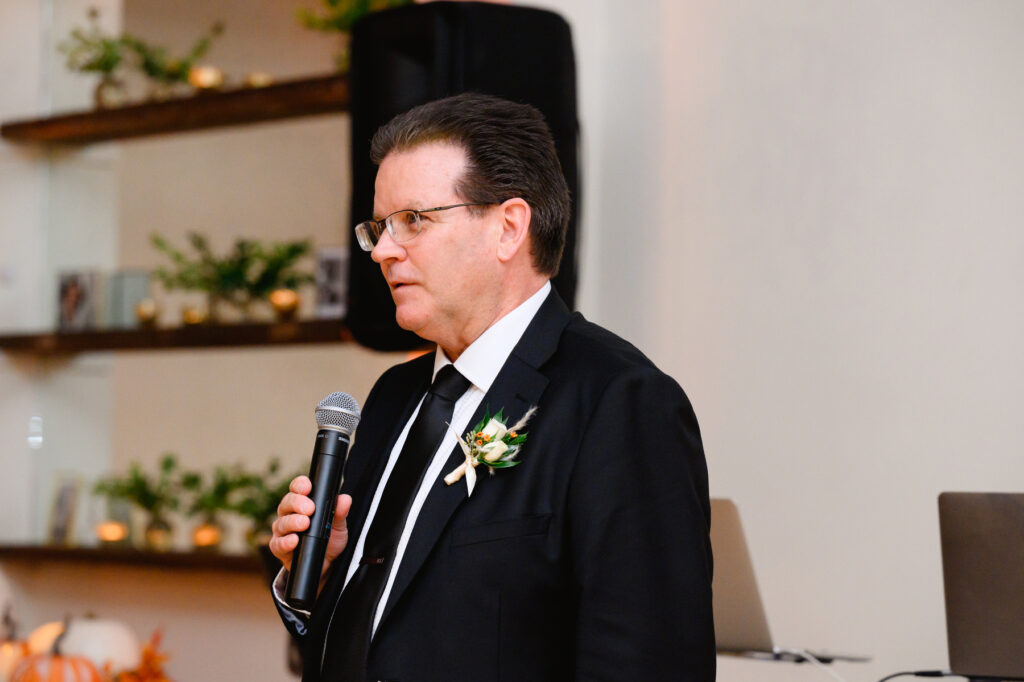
[[201, 336], [290, 99], [234, 563]]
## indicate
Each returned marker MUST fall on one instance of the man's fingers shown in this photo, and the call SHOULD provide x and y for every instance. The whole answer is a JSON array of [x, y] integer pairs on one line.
[[295, 503], [292, 523], [301, 485], [284, 543]]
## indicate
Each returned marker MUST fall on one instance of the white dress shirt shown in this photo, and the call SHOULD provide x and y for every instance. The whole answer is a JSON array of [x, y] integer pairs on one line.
[[480, 364]]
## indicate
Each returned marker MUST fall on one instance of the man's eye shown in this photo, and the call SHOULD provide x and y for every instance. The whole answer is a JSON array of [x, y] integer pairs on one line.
[[407, 219]]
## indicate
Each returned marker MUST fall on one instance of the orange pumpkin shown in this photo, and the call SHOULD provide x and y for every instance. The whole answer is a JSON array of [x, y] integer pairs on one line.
[[56, 668], [11, 653]]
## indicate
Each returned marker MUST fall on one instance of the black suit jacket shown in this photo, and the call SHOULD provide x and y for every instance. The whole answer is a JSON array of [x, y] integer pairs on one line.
[[590, 560]]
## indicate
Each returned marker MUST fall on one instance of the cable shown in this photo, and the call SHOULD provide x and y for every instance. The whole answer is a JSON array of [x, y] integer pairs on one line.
[[810, 657], [920, 673]]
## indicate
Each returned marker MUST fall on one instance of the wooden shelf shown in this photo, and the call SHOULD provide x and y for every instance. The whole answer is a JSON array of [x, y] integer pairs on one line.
[[290, 99], [203, 336], [235, 563]]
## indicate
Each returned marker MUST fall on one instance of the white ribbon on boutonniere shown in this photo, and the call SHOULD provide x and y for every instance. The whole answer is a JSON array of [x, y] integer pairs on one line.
[[492, 444]]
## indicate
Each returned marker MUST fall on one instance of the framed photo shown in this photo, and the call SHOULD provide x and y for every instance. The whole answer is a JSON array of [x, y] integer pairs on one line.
[[124, 290], [77, 300], [66, 492], [331, 281]]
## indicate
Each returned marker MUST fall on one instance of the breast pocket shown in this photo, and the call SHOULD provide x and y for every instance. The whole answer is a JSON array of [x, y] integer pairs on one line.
[[501, 530]]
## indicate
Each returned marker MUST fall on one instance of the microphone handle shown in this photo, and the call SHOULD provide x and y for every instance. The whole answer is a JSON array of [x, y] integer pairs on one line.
[[325, 472]]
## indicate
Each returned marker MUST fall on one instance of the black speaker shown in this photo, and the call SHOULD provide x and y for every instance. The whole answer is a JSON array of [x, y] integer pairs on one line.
[[415, 54]]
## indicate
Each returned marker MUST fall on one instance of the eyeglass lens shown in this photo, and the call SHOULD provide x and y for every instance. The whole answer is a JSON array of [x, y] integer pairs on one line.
[[403, 225]]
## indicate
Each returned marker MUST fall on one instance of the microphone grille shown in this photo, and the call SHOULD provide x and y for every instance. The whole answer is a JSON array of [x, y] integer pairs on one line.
[[339, 411]]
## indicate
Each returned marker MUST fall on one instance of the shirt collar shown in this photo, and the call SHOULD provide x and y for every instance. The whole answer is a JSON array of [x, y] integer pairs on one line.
[[484, 358]]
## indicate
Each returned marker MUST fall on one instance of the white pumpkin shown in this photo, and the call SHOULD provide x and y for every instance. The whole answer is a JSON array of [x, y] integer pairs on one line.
[[103, 641]]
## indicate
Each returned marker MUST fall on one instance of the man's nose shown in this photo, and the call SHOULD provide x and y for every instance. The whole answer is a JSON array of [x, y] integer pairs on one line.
[[386, 248]]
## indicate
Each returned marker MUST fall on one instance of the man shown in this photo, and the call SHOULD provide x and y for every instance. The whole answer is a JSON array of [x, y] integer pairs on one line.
[[590, 558]]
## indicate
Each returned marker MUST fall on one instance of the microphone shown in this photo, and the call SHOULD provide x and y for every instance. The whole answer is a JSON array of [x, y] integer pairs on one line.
[[336, 417]]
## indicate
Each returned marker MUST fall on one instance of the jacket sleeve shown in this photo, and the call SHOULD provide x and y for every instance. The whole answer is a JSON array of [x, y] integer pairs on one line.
[[639, 520]]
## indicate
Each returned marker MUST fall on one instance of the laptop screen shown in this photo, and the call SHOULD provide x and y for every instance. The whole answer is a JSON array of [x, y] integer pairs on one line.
[[740, 621], [983, 573]]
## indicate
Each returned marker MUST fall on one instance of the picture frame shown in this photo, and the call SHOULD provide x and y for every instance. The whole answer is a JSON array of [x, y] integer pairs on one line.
[[67, 491], [77, 299], [331, 282]]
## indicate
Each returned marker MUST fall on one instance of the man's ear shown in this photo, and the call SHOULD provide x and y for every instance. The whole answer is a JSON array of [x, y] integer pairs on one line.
[[515, 228]]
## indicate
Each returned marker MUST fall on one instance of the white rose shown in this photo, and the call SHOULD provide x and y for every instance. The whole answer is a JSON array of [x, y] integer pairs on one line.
[[495, 429], [493, 451]]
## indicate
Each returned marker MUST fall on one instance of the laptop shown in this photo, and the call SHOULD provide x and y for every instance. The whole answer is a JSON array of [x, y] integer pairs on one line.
[[983, 575], [741, 625]]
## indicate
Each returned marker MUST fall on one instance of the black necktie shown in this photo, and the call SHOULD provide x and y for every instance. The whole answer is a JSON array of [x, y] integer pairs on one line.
[[348, 639]]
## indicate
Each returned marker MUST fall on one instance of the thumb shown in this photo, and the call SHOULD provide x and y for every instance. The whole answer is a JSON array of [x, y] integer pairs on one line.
[[342, 507]]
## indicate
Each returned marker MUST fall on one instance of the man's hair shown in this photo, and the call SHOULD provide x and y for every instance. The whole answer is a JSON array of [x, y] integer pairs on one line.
[[510, 153]]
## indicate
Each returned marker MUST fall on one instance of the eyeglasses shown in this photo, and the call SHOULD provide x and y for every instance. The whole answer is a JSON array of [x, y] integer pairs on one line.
[[402, 225]]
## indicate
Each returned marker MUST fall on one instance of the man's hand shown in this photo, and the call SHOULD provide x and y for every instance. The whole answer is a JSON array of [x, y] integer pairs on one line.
[[293, 517]]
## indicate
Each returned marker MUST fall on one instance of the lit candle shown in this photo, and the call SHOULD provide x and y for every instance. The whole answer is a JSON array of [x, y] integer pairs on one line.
[[206, 535], [285, 302], [111, 532], [205, 77]]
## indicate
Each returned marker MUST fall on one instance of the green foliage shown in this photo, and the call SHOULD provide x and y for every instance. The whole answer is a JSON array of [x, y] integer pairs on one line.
[[250, 271], [253, 495], [261, 495], [154, 61], [339, 15], [214, 493], [92, 50], [156, 496]]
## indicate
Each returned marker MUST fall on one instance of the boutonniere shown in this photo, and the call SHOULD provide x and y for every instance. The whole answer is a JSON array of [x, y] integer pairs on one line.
[[491, 443]]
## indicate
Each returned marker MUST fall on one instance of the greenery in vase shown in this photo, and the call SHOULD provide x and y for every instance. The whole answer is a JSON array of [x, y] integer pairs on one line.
[[156, 496], [338, 16], [92, 50], [261, 495], [251, 271]]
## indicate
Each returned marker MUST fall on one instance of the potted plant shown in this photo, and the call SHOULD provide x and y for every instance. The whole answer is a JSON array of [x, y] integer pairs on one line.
[[93, 51], [250, 272], [210, 497], [258, 501], [156, 497]]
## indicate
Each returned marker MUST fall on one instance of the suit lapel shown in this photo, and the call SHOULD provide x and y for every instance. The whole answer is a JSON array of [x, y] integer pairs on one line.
[[379, 451], [517, 387], [377, 447]]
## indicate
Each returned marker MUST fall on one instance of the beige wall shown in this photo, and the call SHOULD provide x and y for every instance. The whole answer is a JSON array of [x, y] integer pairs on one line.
[[804, 211]]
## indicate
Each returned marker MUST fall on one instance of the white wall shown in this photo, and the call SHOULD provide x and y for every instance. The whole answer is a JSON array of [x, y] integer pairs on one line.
[[817, 208]]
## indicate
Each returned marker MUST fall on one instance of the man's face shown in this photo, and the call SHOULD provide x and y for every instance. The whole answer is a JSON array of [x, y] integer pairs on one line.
[[440, 277]]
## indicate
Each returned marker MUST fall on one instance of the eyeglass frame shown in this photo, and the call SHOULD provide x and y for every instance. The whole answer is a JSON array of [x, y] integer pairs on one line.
[[386, 222]]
